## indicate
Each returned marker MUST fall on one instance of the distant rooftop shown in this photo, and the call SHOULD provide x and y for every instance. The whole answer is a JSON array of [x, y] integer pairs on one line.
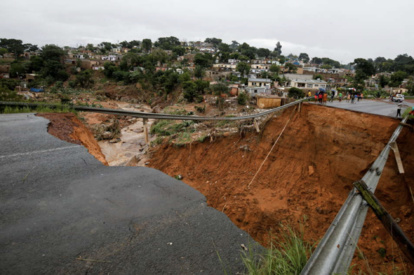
[[260, 80]]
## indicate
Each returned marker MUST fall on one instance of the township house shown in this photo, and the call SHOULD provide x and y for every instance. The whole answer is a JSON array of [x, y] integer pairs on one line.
[[305, 82], [224, 67], [258, 86], [258, 67]]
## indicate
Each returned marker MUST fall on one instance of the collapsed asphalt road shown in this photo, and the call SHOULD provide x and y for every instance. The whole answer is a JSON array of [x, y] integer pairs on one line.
[[62, 211]]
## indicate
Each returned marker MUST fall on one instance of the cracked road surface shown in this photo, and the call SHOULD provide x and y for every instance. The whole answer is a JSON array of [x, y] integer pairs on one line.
[[62, 211]]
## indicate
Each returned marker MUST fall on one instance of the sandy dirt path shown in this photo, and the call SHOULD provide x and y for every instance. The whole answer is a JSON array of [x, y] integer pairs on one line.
[[131, 146]]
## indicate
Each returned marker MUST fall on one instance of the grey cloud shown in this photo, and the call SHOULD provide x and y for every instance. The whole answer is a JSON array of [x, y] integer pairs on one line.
[[340, 30]]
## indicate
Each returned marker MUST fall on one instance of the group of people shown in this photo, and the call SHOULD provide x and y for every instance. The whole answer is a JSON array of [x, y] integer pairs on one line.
[[353, 98], [322, 96]]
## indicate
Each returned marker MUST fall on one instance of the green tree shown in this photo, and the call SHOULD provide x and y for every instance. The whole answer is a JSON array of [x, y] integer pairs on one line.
[[278, 49], [84, 79], [203, 60], [147, 44], [397, 78], [248, 51], [131, 60], [262, 52], [180, 51], [124, 44], [13, 46], [304, 57], [291, 68], [133, 43], [190, 92], [184, 77], [274, 69], [364, 69], [199, 71], [90, 47], [224, 48], [404, 62], [242, 98], [410, 86], [219, 88], [326, 66], [52, 52], [201, 85], [215, 41], [243, 68], [17, 69], [316, 76], [383, 81], [109, 69], [331, 62], [234, 45], [316, 60], [107, 46], [295, 93], [3, 51], [167, 43], [30, 47]]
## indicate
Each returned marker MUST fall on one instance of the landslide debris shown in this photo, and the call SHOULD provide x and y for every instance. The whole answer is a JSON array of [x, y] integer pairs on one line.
[[306, 178], [67, 127]]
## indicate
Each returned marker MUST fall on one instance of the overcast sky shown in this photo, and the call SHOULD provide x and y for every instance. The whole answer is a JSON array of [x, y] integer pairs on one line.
[[341, 30]]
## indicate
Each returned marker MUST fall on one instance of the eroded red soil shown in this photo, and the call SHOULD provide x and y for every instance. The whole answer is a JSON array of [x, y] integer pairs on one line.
[[67, 127], [306, 178]]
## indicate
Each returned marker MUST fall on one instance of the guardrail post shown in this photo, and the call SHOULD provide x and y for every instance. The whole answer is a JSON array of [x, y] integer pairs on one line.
[[389, 224], [397, 155], [256, 125], [145, 120]]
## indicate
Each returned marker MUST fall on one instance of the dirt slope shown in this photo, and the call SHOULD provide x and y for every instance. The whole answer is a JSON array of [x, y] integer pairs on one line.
[[307, 177], [67, 127]]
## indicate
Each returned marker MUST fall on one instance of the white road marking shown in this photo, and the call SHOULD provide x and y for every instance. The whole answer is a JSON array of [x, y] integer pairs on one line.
[[38, 152]]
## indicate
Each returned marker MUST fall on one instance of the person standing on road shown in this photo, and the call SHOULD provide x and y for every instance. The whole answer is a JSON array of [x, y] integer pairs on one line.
[[352, 98], [320, 96], [332, 96], [348, 97], [340, 96], [325, 98], [399, 110], [309, 95]]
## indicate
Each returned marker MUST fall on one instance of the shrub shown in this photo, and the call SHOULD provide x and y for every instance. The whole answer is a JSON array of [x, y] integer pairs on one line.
[[72, 84], [287, 255], [296, 93], [242, 98], [8, 95]]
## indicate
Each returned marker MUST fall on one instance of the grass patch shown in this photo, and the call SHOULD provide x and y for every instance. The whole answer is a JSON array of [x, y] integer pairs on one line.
[[177, 112], [38, 109], [405, 113], [170, 127], [286, 255], [202, 138]]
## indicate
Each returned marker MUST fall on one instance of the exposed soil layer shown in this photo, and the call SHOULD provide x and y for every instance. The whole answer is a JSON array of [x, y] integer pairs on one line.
[[67, 127], [306, 178]]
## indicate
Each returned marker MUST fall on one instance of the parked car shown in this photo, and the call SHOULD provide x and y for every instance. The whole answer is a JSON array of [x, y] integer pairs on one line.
[[398, 98]]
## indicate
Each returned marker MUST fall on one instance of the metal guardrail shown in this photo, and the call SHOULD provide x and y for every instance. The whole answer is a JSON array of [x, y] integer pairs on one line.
[[150, 115], [336, 249]]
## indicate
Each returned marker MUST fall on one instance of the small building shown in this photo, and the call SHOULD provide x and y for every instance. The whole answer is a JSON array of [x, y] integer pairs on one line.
[[259, 82], [268, 101]]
